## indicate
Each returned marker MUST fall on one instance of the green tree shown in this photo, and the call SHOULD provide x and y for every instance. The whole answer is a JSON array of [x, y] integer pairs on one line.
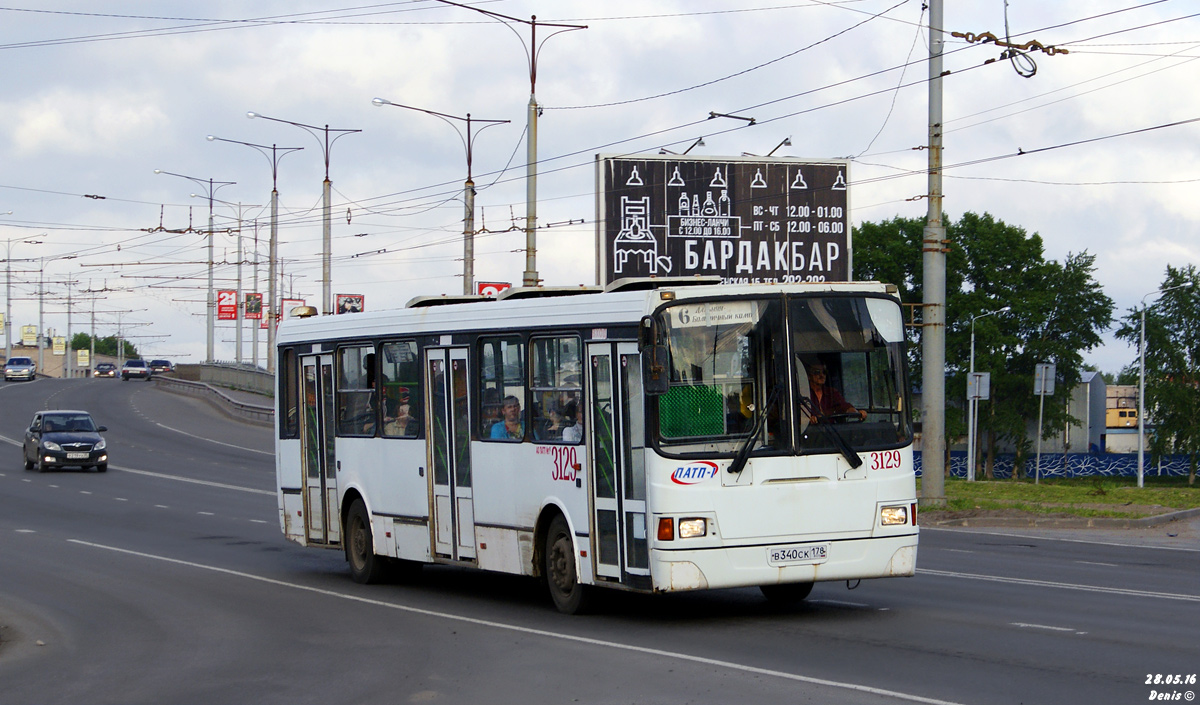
[[104, 346], [1172, 364], [1057, 312]]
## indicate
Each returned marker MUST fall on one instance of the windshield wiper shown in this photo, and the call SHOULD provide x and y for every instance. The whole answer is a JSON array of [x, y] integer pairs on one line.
[[831, 432], [743, 453]]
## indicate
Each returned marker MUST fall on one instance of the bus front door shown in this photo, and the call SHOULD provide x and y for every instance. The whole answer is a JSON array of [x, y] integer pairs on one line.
[[449, 449], [616, 427], [323, 523]]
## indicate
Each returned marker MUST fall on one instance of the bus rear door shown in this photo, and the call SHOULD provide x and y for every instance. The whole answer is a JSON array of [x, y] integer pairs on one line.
[[323, 523], [449, 449]]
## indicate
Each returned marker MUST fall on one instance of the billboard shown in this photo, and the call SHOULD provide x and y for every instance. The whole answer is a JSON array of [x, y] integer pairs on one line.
[[287, 305], [253, 307], [491, 288], [29, 336], [745, 219], [227, 305], [350, 303]]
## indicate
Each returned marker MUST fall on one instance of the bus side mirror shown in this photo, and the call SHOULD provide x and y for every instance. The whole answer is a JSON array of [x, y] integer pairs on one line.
[[654, 362], [647, 332]]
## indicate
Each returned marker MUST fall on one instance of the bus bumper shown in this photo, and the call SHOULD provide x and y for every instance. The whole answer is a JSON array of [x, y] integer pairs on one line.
[[748, 566]]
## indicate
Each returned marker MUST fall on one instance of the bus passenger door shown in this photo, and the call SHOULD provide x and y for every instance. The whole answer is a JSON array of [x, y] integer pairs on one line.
[[323, 523], [449, 449], [616, 427]]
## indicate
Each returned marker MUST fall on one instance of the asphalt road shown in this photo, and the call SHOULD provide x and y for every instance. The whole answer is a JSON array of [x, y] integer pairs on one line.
[[167, 580]]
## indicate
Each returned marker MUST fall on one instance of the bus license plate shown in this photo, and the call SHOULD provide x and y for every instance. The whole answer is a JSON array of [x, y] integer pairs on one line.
[[77, 456], [804, 554]]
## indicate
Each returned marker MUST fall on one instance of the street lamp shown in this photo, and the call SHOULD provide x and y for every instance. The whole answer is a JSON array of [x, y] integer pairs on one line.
[[1142, 381], [468, 186], [238, 302], [326, 207], [973, 399], [8, 293], [530, 276], [277, 153], [211, 187], [41, 309]]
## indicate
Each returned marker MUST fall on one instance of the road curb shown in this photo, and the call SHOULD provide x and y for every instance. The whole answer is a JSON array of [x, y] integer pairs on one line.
[[1061, 522]]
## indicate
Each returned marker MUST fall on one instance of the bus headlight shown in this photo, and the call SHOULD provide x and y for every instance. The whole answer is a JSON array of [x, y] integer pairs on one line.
[[691, 528], [891, 516]]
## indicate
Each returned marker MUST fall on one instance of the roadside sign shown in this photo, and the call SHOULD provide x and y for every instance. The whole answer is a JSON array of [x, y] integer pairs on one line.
[[979, 385], [1043, 379], [227, 305]]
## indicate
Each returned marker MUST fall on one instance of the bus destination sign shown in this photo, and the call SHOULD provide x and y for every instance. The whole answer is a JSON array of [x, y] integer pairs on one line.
[[744, 219]]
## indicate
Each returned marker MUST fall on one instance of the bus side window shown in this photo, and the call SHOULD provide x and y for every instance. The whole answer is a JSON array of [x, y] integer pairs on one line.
[[556, 386], [502, 412], [400, 374], [289, 395], [356, 400]]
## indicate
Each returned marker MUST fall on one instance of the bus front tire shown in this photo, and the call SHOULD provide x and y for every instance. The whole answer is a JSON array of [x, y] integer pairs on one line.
[[569, 595], [365, 566], [786, 593]]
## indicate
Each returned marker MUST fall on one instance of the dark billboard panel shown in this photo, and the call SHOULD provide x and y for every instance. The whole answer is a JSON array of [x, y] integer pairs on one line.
[[744, 219]]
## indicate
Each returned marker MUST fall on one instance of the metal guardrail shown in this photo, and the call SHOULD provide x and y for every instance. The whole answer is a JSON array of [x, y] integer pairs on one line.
[[255, 413]]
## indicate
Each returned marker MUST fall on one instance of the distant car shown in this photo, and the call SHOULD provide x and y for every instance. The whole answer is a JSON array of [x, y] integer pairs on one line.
[[161, 366], [136, 368], [20, 368], [105, 369], [57, 439]]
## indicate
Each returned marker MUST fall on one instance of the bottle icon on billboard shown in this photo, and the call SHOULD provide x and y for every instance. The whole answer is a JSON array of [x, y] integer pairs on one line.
[[710, 206]]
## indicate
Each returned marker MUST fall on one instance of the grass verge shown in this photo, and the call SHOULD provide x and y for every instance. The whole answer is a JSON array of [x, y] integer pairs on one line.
[[1115, 497]]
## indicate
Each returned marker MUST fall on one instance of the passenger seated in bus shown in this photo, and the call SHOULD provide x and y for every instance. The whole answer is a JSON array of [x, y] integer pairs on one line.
[[550, 426], [512, 425], [825, 399], [400, 422], [573, 417], [489, 411]]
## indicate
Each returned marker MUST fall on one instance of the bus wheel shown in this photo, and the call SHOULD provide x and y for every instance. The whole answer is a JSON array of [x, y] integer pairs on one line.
[[365, 566], [569, 595], [786, 593]]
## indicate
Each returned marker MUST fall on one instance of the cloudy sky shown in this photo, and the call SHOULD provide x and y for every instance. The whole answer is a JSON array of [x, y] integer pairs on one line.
[[99, 94]]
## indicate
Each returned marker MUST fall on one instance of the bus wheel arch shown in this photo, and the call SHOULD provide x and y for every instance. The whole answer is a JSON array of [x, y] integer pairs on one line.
[[556, 559], [357, 535]]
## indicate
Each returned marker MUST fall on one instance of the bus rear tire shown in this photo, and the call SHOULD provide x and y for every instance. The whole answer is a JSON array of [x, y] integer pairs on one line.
[[365, 566], [786, 593], [569, 595]]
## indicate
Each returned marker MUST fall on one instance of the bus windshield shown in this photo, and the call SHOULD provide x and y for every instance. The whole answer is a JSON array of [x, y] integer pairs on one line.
[[730, 363]]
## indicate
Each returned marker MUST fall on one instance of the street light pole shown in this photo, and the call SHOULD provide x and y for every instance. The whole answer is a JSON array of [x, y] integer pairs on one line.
[[973, 399], [211, 187], [277, 154], [1142, 382], [326, 205], [468, 186], [530, 277]]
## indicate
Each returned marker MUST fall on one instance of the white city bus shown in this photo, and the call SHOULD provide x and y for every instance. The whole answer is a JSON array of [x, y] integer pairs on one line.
[[656, 436]]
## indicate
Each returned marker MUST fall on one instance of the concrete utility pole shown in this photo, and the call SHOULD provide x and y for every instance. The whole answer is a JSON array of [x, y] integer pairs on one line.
[[933, 310], [468, 185], [530, 276]]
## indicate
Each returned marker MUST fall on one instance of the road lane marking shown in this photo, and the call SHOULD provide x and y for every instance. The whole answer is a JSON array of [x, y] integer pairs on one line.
[[1063, 586], [1106, 565], [207, 514], [207, 483], [537, 632], [1047, 627], [1060, 538]]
